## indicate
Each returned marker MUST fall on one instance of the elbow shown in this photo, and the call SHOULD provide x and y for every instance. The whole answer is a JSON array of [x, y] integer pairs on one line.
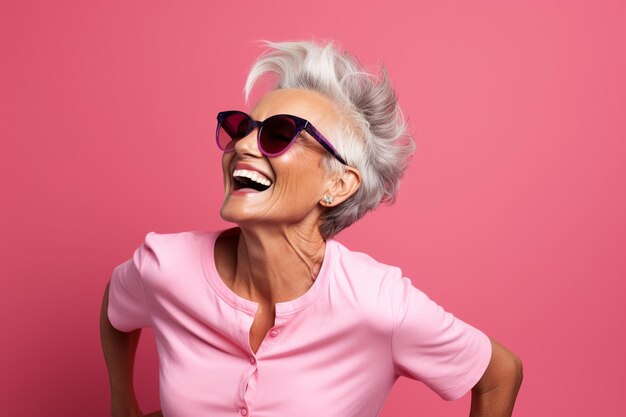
[[512, 371], [516, 369], [505, 372], [520, 371]]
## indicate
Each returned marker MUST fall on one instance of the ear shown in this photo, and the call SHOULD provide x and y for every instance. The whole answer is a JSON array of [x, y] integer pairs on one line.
[[342, 187]]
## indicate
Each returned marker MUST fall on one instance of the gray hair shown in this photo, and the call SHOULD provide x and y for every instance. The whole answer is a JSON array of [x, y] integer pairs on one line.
[[374, 138]]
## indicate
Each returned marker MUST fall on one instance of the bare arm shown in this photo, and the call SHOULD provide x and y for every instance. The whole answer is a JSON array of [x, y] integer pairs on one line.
[[119, 350], [494, 395]]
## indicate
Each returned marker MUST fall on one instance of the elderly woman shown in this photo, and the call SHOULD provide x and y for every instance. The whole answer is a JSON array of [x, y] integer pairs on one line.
[[275, 317]]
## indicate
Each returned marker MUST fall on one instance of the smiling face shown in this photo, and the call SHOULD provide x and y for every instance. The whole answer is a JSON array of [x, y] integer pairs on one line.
[[297, 180]]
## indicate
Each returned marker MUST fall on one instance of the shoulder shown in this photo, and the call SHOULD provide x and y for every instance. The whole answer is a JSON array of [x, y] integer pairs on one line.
[[364, 267], [156, 240], [171, 250], [364, 280]]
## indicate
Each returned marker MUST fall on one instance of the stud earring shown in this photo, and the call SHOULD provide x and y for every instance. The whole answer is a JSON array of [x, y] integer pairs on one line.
[[327, 199]]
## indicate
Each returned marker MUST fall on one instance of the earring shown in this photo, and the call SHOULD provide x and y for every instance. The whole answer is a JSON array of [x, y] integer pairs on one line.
[[327, 199]]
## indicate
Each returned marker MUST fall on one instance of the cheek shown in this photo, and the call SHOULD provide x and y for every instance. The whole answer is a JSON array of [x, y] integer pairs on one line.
[[226, 158], [301, 183]]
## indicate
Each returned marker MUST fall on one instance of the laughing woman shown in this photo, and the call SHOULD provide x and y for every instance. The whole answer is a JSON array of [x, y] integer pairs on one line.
[[275, 317]]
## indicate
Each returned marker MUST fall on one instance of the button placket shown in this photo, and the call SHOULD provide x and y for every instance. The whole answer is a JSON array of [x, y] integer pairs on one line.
[[271, 337], [242, 401], [249, 379]]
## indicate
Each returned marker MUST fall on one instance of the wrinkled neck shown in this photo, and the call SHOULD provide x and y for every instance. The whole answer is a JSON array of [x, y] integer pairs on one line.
[[277, 265]]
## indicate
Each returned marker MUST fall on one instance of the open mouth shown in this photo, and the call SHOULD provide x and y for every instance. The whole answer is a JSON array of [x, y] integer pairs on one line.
[[244, 178]]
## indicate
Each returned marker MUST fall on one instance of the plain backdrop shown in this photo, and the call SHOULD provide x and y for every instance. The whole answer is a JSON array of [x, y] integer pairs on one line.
[[511, 214]]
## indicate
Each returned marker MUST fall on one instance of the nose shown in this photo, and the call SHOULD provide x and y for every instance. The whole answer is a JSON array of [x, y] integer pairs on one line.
[[248, 145]]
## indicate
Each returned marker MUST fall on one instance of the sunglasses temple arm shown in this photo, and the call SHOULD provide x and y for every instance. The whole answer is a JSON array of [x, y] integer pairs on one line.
[[324, 142]]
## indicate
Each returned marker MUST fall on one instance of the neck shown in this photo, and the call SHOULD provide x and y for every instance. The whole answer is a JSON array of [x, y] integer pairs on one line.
[[277, 264]]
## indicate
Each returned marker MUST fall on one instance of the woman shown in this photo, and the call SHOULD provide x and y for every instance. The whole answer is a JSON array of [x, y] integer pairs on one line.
[[275, 317]]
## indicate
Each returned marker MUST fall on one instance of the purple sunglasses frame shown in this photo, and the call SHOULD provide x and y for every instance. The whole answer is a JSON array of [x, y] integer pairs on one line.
[[301, 124]]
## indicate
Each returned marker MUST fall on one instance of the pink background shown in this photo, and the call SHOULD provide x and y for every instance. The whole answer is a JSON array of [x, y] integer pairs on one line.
[[511, 214]]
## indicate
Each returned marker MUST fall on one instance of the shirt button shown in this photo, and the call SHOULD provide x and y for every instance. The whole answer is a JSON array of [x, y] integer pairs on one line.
[[273, 333], [252, 361], [243, 412]]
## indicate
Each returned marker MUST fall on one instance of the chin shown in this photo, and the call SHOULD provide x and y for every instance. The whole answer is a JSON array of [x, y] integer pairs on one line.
[[230, 215], [238, 215]]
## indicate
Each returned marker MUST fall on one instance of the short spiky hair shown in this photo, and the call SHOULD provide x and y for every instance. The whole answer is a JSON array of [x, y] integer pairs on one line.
[[374, 138]]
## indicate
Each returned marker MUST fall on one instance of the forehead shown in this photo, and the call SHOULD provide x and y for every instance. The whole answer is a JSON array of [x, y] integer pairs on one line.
[[307, 104]]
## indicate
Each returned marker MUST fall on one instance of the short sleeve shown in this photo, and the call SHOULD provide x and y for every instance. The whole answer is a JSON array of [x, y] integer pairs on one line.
[[128, 308], [433, 346]]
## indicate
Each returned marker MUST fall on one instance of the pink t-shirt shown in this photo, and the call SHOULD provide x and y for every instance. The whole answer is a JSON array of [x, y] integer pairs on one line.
[[335, 351]]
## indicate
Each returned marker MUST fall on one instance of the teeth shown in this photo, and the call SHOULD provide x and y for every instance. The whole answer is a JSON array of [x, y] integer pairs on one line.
[[253, 175]]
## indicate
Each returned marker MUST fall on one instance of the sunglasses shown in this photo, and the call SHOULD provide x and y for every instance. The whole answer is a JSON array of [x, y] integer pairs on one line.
[[275, 136]]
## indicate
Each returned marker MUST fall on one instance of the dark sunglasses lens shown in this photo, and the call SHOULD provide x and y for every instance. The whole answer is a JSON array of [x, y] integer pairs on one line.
[[277, 133], [233, 127]]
